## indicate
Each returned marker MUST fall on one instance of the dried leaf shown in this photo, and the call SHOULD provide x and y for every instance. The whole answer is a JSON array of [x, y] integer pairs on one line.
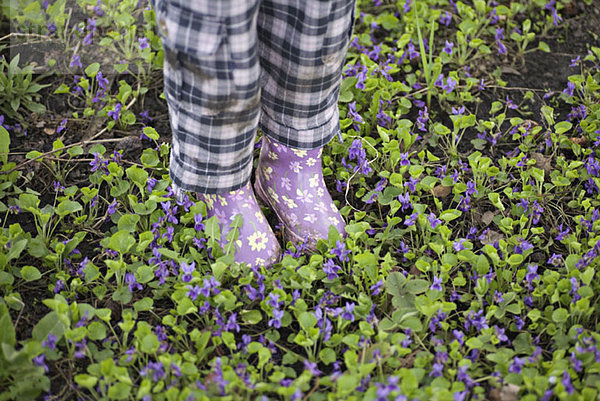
[[578, 140], [488, 217], [409, 360], [542, 161], [491, 237], [441, 191], [508, 392], [530, 123], [414, 271], [509, 70]]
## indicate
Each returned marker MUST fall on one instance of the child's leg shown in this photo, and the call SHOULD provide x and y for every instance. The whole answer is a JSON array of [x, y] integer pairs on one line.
[[303, 46], [212, 88]]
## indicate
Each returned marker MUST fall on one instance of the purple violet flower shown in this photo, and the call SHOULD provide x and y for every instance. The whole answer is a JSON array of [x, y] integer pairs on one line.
[[115, 113], [348, 313], [331, 269], [143, 43], [76, 61], [437, 284], [50, 342], [340, 251], [376, 288], [40, 361], [448, 48], [187, 269]]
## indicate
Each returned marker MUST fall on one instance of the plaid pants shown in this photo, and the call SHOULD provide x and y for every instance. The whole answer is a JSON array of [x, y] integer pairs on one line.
[[234, 65]]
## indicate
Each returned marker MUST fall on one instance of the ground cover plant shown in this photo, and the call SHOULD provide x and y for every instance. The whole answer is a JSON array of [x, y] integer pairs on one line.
[[467, 171]]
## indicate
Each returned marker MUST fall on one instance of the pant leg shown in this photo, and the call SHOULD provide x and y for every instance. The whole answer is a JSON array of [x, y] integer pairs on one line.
[[211, 77], [302, 46]]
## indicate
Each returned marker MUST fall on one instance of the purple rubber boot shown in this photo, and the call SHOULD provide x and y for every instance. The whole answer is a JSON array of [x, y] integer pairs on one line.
[[291, 182], [256, 244]]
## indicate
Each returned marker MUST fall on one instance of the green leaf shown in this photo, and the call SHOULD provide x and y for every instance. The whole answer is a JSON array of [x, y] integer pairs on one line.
[[474, 342], [75, 151], [543, 46], [92, 69], [186, 306], [122, 295], [16, 249], [4, 145], [128, 222], [394, 283], [150, 157], [356, 229], [30, 273], [212, 229], [138, 176], [560, 315], [96, 330], [416, 286], [251, 316], [515, 259], [7, 334], [144, 274], [233, 234], [229, 340], [85, 380], [346, 384], [562, 127], [169, 253], [120, 188], [63, 88], [119, 391], [495, 199], [307, 321], [327, 356], [91, 272], [386, 324], [365, 259], [35, 107], [50, 323], [67, 206], [33, 154], [145, 239], [411, 322], [119, 68], [150, 133], [121, 241], [6, 279], [450, 214], [104, 314], [143, 304], [29, 202], [149, 343]]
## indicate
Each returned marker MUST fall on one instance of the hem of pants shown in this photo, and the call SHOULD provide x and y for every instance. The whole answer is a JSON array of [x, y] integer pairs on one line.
[[289, 136], [203, 185]]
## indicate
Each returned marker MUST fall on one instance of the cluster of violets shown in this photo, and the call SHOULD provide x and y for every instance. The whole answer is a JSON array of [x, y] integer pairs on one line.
[[333, 311], [324, 311]]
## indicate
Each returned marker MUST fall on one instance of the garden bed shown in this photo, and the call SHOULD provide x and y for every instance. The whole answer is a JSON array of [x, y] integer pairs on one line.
[[467, 172]]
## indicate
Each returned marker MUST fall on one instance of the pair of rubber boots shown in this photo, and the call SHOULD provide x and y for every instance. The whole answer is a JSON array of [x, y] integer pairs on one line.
[[290, 182]]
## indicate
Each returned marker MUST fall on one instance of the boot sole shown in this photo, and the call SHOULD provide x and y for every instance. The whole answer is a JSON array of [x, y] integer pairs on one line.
[[288, 234]]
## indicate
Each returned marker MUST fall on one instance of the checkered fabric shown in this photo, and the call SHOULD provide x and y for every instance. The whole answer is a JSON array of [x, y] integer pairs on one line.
[[234, 65]]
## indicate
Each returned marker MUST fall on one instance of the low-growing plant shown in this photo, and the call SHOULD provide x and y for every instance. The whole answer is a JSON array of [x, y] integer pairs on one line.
[[467, 269], [19, 89]]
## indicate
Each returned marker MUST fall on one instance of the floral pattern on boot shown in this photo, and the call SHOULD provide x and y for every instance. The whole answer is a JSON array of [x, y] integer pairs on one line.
[[291, 182], [256, 244]]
